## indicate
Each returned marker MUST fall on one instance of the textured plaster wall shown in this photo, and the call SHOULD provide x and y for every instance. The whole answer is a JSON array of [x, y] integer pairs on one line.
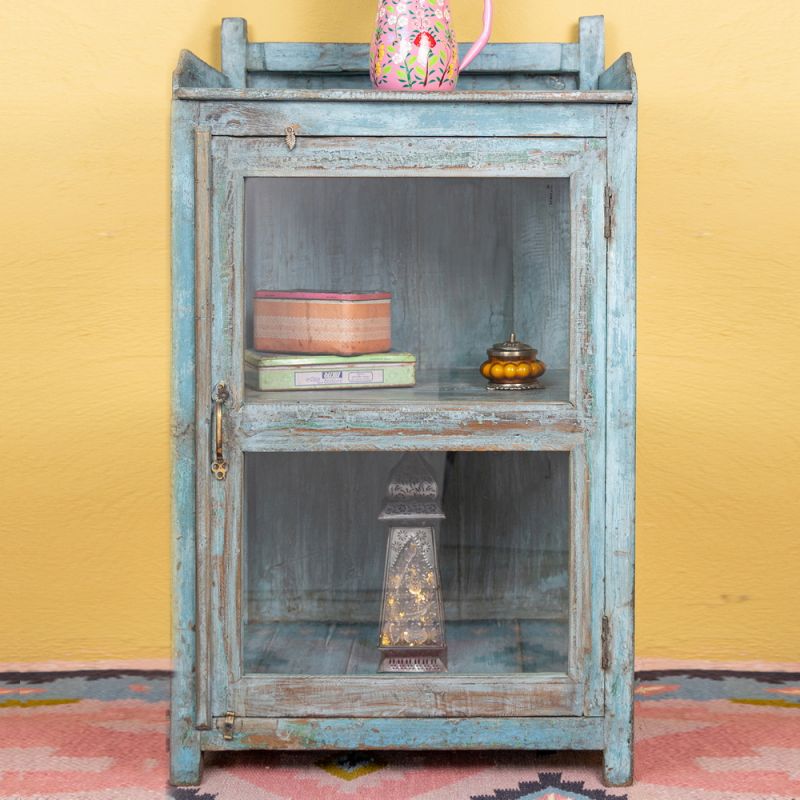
[[85, 328]]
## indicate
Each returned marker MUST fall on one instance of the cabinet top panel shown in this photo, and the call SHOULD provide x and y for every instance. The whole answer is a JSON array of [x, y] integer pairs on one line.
[[572, 72]]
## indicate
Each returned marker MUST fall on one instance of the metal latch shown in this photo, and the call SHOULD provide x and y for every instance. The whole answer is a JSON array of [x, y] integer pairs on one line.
[[605, 642], [219, 466], [227, 726], [609, 226], [291, 135]]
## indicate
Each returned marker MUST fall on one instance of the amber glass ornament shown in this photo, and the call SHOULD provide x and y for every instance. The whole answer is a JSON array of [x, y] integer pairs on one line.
[[512, 365]]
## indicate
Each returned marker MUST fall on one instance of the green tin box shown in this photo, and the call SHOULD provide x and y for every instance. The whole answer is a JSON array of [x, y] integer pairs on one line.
[[279, 372]]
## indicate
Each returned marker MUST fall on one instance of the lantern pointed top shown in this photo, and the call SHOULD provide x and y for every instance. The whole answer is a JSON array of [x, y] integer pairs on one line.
[[412, 493]]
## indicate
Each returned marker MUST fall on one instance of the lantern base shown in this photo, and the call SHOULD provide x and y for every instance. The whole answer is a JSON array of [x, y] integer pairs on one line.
[[413, 660]]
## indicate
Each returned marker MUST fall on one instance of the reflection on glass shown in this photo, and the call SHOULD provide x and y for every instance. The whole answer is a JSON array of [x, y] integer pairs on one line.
[[496, 525]]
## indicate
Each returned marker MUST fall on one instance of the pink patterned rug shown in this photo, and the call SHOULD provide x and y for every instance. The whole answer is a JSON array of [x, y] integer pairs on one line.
[[101, 735]]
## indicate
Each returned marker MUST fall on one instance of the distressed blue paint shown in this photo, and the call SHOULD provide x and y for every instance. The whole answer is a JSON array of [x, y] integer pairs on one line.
[[531, 59], [249, 116], [621, 439], [185, 748], [592, 51], [588, 135], [543, 733], [234, 51]]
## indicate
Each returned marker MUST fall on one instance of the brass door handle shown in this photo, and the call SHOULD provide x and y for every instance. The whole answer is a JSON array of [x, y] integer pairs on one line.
[[219, 466]]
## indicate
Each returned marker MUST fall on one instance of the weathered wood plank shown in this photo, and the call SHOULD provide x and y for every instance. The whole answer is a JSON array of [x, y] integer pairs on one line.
[[541, 242], [589, 326], [592, 47], [191, 72], [538, 733], [202, 405], [419, 120], [440, 390], [399, 696], [490, 438], [411, 120], [225, 497], [506, 537], [233, 35], [474, 646], [571, 97], [481, 82], [621, 442], [185, 756], [301, 57], [381, 157], [619, 76]]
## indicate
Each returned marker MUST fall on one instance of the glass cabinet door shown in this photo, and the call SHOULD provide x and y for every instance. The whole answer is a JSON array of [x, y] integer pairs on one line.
[[314, 560], [338, 594]]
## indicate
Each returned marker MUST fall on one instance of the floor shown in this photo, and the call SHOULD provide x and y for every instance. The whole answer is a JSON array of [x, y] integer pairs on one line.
[[701, 734]]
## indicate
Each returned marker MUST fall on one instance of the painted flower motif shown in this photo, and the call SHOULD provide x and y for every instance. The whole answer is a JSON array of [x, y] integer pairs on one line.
[[392, 19], [424, 41], [447, 15], [382, 13], [397, 58], [439, 13], [452, 71], [402, 22], [404, 47], [401, 8]]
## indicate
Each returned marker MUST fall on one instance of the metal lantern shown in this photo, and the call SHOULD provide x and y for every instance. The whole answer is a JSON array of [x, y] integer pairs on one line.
[[411, 637]]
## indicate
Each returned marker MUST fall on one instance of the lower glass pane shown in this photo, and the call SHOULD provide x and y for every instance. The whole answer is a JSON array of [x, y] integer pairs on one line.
[[321, 597]]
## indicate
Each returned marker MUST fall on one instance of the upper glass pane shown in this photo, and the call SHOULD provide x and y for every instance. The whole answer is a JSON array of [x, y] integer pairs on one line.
[[343, 573], [466, 261]]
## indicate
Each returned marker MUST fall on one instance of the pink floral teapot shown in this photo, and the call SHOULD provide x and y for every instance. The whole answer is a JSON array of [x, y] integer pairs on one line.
[[415, 48]]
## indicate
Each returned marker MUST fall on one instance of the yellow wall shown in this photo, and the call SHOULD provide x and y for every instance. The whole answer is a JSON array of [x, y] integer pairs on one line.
[[85, 327]]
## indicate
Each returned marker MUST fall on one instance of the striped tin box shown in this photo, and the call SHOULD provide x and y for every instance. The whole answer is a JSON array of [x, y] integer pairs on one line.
[[277, 372], [336, 323]]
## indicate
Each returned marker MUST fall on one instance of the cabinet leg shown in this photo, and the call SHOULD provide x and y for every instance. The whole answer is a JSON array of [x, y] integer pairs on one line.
[[185, 764], [618, 764]]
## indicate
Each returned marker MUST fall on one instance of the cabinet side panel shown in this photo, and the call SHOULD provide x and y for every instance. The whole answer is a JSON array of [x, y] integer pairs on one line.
[[620, 441], [185, 754]]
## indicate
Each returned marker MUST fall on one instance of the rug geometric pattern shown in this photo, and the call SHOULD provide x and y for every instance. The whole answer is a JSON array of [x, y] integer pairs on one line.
[[101, 735]]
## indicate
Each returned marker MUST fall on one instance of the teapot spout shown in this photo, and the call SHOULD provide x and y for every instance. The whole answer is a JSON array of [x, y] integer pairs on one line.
[[483, 39]]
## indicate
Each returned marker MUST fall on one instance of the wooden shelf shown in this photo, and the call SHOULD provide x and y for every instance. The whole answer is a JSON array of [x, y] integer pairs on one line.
[[446, 410], [372, 96], [456, 388], [474, 647]]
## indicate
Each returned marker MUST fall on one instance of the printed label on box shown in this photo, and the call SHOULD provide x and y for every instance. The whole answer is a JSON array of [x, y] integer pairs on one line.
[[338, 377]]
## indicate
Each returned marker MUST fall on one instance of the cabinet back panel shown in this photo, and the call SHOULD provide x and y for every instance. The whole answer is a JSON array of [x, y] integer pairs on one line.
[[467, 260], [315, 549]]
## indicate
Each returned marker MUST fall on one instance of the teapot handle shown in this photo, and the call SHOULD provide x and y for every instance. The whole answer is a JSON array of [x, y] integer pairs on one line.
[[482, 41]]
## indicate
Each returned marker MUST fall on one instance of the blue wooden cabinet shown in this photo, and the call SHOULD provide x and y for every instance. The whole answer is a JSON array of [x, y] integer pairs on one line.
[[508, 205]]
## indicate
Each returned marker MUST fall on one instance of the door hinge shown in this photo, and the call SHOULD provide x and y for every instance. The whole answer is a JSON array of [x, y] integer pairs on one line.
[[227, 726], [605, 645], [609, 211]]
